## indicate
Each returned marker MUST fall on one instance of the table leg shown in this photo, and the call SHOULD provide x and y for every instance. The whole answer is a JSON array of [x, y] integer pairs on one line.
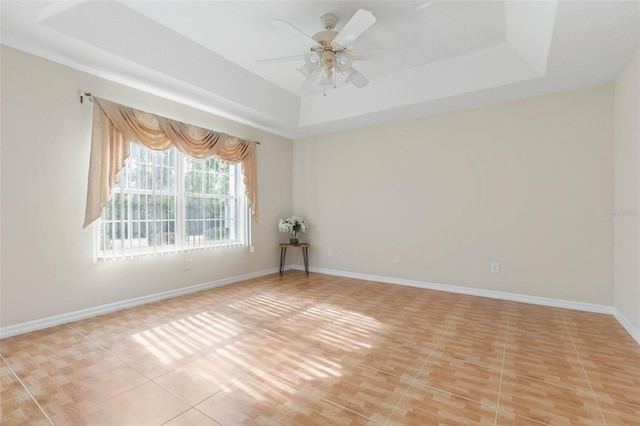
[[305, 255], [283, 256]]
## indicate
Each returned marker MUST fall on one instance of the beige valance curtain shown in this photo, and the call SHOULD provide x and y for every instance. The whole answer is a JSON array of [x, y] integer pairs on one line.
[[114, 126]]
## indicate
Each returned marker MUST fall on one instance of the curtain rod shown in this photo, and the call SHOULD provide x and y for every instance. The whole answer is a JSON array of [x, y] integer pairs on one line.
[[88, 96]]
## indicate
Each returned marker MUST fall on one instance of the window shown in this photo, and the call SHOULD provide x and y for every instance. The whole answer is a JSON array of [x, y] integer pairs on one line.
[[168, 202]]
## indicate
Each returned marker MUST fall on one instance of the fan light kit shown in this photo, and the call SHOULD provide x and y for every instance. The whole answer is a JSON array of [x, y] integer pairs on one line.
[[328, 57], [328, 54]]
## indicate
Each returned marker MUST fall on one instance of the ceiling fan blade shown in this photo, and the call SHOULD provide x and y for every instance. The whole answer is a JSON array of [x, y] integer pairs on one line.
[[309, 81], [304, 38], [327, 81], [353, 29], [360, 81], [280, 59], [356, 78], [384, 53]]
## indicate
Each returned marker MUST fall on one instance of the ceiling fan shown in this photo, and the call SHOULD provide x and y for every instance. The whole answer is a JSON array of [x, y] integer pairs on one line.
[[328, 53]]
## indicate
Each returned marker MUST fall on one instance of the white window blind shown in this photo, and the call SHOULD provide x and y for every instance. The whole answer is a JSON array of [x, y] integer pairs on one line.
[[168, 202]]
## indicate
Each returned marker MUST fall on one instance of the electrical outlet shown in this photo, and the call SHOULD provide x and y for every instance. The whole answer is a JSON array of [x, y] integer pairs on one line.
[[252, 249], [397, 258], [495, 267], [330, 252], [187, 264]]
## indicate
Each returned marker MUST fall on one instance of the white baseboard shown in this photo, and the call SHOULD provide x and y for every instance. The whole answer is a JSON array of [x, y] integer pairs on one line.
[[514, 297], [29, 326], [51, 321], [627, 325]]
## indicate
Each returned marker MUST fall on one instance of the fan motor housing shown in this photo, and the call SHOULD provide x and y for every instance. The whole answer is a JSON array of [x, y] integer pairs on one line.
[[325, 37]]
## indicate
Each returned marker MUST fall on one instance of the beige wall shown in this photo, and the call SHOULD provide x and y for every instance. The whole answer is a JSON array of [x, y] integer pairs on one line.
[[526, 184], [46, 260], [627, 192]]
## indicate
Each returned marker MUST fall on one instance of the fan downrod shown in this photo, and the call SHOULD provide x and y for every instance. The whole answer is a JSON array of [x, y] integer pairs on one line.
[[328, 21]]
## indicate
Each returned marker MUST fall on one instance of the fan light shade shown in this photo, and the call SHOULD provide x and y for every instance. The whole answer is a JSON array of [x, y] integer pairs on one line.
[[307, 69], [312, 64], [313, 57], [344, 60]]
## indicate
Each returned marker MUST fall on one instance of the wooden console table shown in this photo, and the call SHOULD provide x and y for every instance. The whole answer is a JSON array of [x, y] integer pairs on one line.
[[305, 255]]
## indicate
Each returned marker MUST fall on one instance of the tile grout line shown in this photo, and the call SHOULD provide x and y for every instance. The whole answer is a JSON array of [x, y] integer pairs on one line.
[[175, 417], [423, 364], [327, 401], [595, 397], [504, 355], [26, 389], [194, 406], [457, 315], [313, 391], [309, 392], [89, 339]]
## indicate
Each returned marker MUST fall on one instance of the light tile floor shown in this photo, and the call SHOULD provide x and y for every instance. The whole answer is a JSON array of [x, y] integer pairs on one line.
[[323, 350]]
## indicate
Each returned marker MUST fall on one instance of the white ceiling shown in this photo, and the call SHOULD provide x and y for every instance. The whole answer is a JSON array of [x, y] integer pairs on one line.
[[455, 54]]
